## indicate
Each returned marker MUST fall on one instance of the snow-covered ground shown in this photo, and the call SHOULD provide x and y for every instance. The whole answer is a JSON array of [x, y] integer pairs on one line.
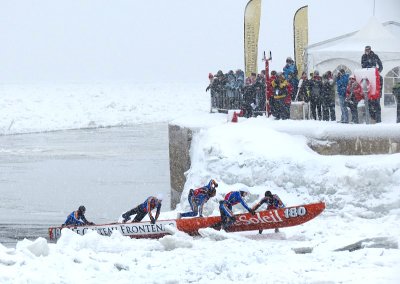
[[362, 194]]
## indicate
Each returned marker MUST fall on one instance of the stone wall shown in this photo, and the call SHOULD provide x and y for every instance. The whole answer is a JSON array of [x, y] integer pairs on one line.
[[180, 139], [355, 145]]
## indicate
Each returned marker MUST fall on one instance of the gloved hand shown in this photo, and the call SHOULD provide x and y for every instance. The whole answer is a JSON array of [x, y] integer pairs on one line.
[[207, 88]]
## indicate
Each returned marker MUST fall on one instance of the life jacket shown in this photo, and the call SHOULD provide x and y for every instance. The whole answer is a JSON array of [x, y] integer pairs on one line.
[[149, 204], [280, 89]]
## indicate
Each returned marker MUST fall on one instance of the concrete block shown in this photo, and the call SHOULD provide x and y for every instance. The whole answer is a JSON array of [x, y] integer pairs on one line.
[[299, 111]]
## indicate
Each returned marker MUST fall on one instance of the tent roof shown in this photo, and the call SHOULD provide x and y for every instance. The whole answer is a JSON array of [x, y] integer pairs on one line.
[[374, 34]]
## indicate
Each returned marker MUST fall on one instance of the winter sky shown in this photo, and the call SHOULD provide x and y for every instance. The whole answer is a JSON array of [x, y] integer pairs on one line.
[[121, 40]]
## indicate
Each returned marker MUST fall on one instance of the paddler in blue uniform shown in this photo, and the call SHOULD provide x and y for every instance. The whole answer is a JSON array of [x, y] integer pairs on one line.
[[77, 218], [145, 208], [198, 197], [225, 206], [273, 202]]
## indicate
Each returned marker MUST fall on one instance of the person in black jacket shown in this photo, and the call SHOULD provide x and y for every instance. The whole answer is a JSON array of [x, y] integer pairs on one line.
[[303, 89], [371, 60], [328, 97], [316, 96]]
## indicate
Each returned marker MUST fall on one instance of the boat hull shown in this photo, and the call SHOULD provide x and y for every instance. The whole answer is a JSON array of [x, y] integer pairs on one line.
[[268, 219]]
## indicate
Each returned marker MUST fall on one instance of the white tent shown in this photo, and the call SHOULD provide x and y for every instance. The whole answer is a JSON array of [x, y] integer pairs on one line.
[[347, 50]]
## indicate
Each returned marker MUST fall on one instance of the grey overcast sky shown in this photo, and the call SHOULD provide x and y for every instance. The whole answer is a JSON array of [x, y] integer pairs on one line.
[[158, 40]]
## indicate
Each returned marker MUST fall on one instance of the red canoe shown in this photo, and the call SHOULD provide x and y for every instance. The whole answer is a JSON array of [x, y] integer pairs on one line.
[[269, 219]]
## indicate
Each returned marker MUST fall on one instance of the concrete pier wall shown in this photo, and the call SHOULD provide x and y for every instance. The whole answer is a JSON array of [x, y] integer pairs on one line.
[[180, 139], [355, 146]]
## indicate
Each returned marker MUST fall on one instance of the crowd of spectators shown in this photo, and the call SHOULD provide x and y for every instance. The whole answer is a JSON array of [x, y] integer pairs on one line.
[[233, 91]]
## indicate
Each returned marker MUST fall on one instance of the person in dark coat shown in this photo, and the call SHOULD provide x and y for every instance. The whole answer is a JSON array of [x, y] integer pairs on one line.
[[239, 84], [218, 85], [371, 60], [230, 90], [249, 95], [294, 82], [303, 89], [328, 97], [316, 96], [259, 89]]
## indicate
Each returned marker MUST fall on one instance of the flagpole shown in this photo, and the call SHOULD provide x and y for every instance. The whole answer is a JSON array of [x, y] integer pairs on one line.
[[374, 9]]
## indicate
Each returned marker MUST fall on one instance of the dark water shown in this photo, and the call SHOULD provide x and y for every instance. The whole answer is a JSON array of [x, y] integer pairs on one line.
[[45, 176]]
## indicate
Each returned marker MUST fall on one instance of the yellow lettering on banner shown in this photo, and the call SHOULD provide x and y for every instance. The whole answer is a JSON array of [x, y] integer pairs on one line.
[[252, 16], [300, 32]]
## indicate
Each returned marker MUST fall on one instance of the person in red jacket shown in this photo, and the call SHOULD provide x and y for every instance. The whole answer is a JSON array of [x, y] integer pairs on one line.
[[354, 95]]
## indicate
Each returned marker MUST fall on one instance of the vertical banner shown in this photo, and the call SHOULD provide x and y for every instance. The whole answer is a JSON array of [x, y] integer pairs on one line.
[[252, 16], [300, 33]]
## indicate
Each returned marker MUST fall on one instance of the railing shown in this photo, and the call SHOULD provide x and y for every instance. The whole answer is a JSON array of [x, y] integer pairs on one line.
[[251, 102]]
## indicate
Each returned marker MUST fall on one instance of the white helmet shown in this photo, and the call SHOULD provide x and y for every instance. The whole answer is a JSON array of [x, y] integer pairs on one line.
[[160, 196], [245, 190]]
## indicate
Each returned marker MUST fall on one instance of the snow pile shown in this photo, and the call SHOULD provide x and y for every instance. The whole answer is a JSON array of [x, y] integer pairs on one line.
[[252, 154], [38, 247], [217, 257]]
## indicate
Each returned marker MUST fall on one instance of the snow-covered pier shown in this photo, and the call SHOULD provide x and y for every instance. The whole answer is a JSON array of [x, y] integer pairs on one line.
[[325, 138]]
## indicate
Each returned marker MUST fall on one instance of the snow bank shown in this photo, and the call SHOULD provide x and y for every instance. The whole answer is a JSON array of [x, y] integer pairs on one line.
[[253, 154], [217, 257], [38, 247]]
